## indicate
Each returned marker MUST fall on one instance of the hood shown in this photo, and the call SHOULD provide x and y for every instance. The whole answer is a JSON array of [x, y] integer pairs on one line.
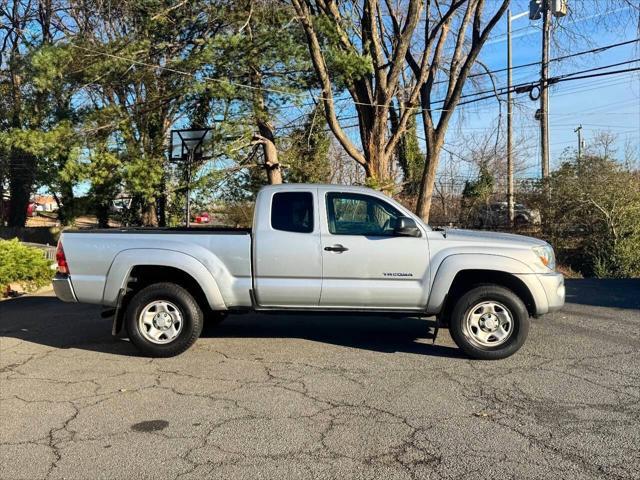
[[492, 238]]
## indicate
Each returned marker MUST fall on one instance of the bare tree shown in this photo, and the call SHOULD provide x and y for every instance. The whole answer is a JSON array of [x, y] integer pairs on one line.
[[486, 149], [603, 144], [468, 44], [343, 170], [358, 33], [448, 188], [385, 33]]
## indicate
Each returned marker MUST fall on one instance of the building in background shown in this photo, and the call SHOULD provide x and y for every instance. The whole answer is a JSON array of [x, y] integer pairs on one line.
[[45, 203]]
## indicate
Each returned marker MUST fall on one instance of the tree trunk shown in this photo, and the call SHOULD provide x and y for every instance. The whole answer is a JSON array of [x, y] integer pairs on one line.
[[2, 202], [374, 139], [427, 184], [102, 214], [271, 163], [149, 217], [21, 178], [66, 207], [408, 154], [265, 129], [162, 206], [102, 203]]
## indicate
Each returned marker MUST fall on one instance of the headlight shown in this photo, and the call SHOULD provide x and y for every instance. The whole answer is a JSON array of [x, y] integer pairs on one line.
[[546, 256]]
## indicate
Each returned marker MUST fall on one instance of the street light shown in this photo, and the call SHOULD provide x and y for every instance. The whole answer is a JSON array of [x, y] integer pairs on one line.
[[187, 145], [545, 9], [510, 186]]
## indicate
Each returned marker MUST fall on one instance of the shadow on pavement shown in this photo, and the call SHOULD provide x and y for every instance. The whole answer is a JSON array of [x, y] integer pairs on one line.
[[615, 293], [379, 333], [48, 321]]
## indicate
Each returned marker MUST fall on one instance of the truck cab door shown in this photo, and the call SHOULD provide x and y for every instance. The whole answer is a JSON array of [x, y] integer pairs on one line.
[[287, 261], [366, 263]]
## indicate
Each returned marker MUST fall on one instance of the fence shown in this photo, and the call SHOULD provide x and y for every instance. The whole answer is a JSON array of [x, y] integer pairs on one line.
[[450, 207], [48, 250]]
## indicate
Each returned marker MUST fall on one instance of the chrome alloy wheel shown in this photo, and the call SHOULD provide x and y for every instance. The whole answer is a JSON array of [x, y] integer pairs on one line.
[[488, 324], [160, 322]]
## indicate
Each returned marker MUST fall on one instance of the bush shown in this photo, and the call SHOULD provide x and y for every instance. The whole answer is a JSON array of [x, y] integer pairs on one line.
[[23, 265], [592, 217], [239, 214]]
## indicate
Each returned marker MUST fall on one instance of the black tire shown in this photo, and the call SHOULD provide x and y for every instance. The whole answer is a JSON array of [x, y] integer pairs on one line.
[[464, 337], [188, 308]]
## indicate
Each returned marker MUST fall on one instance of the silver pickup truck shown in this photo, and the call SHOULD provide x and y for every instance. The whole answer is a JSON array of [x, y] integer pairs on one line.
[[313, 247]]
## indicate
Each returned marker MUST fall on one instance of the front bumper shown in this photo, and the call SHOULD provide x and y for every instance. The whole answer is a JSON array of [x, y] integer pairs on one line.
[[63, 288], [547, 290], [553, 286]]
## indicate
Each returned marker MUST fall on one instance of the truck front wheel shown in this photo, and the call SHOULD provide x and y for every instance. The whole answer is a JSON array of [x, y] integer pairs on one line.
[[163, 320], [489, 322]]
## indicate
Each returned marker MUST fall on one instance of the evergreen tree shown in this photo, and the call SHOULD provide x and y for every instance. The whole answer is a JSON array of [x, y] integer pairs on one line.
[[307, 156]]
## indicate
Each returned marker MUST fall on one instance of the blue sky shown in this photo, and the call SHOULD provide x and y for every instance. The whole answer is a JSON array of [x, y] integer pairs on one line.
[[610, 103]]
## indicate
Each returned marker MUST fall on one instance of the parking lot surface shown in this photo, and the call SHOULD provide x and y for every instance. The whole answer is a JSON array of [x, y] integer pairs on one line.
[[309, 396]]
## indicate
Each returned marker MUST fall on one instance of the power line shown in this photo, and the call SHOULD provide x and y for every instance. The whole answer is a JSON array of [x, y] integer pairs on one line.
[[602, 74], [525, 65], [519, 88], [597, 84], [527, 86], [556, 59]]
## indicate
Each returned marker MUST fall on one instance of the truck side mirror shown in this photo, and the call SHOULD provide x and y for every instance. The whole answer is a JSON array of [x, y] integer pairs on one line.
[[406, 227]]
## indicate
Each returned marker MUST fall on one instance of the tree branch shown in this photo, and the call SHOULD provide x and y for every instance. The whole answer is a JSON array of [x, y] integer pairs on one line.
[[320, 65], [402, 46], [479, 39]]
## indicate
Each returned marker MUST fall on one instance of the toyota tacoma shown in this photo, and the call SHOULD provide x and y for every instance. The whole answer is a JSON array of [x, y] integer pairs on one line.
[[313, 247]]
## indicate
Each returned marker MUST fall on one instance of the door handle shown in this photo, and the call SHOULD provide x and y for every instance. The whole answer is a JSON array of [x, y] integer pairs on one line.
[[336, 248]]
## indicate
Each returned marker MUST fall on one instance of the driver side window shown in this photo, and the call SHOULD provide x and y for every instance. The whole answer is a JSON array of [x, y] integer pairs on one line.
[[356, 214]]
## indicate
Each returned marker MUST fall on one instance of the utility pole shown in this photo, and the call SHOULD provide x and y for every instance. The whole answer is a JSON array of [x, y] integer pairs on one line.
[[510, 199], [544, 91], [544, 9], [579, 132], [510, 159]]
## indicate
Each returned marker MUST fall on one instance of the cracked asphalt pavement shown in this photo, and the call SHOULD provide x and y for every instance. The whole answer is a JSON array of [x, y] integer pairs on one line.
[[310, 396]]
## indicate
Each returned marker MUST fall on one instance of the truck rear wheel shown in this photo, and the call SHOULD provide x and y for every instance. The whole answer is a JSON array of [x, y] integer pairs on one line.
[[163, 320], [489, 322]]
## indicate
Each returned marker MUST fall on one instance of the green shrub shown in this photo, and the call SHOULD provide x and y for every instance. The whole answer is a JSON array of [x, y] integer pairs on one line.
[[23, 265], [592, 217]]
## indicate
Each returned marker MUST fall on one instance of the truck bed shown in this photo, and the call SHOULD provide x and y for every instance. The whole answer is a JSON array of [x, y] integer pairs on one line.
[[100, 260], [174, 230]]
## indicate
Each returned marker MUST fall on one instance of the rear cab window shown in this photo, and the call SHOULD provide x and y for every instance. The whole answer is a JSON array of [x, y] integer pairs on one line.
[[292, 212]]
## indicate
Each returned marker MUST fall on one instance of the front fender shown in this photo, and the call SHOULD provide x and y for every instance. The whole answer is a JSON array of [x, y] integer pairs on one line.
[[453, 264], [124, 262]]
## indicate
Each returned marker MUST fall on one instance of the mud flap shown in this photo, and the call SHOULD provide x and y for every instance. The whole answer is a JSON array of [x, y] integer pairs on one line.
[[436, 330], [118, 318], [433, 329]]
